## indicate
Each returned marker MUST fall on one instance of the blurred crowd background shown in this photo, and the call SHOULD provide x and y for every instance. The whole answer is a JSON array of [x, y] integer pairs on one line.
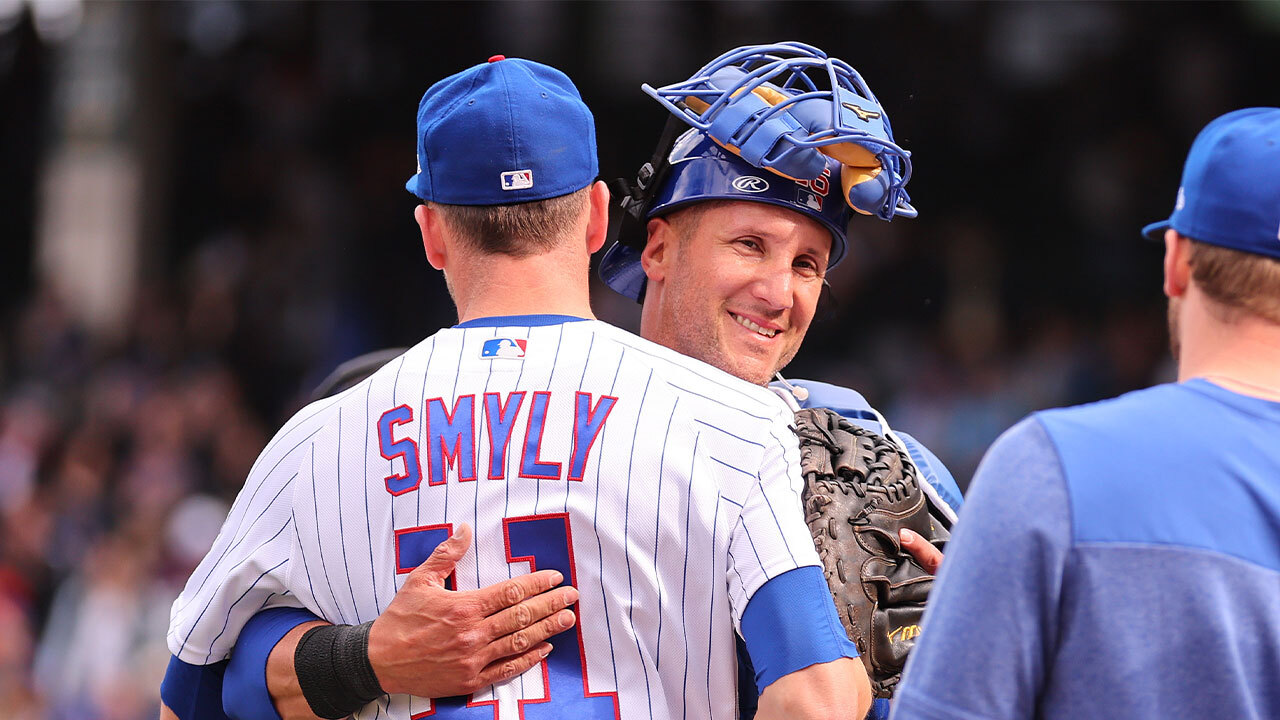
[[202, 213]]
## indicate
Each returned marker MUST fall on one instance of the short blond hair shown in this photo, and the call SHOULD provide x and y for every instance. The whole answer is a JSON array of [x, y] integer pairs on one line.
[[518, 230], [1241, 282]]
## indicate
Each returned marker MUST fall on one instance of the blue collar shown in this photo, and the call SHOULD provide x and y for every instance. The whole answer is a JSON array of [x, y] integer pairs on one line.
[[1248, 403], [519, 321]]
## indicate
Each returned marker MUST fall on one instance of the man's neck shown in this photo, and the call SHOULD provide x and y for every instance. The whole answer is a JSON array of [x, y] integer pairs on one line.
[[1242, 355], [537, 285]]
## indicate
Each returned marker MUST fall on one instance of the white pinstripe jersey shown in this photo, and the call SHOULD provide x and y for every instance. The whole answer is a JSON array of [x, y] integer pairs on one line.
[[667, 490]]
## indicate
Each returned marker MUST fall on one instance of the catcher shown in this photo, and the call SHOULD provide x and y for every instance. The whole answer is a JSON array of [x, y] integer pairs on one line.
[[725, 238], [877, 501]]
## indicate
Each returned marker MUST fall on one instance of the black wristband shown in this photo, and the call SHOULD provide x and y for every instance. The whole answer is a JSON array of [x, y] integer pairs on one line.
[[334, 672]]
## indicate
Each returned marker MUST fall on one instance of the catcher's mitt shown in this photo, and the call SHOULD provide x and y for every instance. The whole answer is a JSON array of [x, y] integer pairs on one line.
[[860, 489]]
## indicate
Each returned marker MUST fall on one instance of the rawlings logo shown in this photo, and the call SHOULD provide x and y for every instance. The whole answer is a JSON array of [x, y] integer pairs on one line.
[[750, 184], [904, 633], [863, 115]]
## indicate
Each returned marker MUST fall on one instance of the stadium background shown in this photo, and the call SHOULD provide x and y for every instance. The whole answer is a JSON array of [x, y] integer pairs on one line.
[[202, 213]]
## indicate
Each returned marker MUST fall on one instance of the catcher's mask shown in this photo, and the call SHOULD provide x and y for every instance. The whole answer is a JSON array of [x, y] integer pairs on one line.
[[810, 120]]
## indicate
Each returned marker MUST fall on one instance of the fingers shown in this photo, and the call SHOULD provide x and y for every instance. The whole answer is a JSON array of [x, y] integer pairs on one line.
[[522, 640], [447, 554], [508, 593], [521, 616], [929, 557], [509, 667]]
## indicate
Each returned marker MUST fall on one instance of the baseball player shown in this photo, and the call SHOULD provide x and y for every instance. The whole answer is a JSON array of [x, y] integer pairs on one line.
[[730, 196], [704, 183], [662, 489], [1121, 559]]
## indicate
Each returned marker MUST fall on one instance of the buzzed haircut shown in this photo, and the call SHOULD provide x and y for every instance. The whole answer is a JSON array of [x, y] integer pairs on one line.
[[1241, 282], [518, 230]]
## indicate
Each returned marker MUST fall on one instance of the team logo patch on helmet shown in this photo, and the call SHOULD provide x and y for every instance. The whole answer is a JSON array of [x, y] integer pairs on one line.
[[517, 179], [503, 348], [750, 184]]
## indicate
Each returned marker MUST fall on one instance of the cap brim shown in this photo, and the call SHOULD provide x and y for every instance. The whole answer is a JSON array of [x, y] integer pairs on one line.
[[1155, 231], [412, 186]]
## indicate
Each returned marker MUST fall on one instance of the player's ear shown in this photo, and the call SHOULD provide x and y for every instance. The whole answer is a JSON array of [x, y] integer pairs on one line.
[[656, 257], [429, 223], [1177, 264], [598, 222]]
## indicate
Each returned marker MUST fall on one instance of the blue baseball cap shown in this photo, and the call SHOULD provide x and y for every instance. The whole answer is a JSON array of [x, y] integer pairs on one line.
[[503, 132], [1230, 192]]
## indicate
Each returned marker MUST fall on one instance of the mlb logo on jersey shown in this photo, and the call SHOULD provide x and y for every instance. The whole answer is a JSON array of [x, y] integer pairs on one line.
[[517, 179], [503, 348]]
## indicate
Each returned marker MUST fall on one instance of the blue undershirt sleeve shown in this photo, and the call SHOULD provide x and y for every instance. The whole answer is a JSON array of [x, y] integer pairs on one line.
[[992, 619], [193, 692], [791, 623], [244, 687], [935, 472]]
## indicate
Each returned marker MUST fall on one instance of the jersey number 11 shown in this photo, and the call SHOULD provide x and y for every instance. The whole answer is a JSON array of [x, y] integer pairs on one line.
[[545, 542]]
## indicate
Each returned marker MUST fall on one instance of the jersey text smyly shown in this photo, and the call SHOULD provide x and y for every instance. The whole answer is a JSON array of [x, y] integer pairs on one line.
[[665, 490], [451, 438]]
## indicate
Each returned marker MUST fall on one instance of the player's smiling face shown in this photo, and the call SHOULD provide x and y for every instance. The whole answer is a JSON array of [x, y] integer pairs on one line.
[[734, 284]]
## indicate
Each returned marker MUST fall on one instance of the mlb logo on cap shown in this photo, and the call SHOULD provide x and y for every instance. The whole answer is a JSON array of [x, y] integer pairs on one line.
[[503, 348], [517, 179]]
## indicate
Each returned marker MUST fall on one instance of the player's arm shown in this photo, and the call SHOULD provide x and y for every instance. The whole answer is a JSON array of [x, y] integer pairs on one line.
[[999, 590], [192, 692], [837, 689], [244, 570], [249, 564], [429, 642], [805, 665]]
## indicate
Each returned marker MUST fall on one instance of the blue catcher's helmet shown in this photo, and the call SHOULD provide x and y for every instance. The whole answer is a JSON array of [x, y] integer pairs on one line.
[[701, 170], [809, 120], [784, 106]]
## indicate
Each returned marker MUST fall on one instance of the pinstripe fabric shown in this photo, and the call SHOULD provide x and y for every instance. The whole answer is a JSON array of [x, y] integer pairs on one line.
[[687, 505]]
